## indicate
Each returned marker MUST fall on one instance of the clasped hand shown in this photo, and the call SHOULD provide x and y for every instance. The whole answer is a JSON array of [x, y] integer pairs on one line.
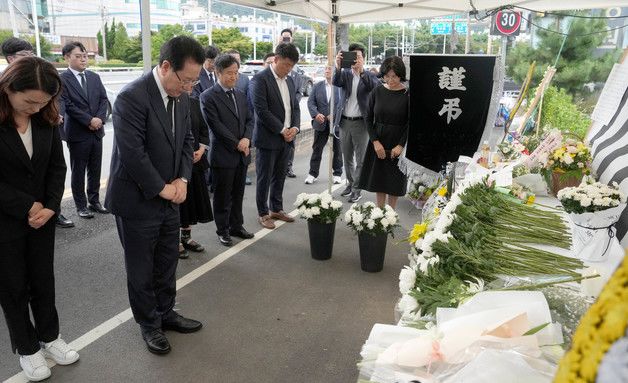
[[95, 123], [289, 134], [244, 146], [38, 215], [176, 191], [380, 152]]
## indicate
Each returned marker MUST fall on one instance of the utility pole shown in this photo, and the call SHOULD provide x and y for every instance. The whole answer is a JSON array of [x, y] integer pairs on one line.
[[255, 34], [54, 19], [12, 16], [403, 39], [36, 25], [103, 28], [467, 43], [209, 22]]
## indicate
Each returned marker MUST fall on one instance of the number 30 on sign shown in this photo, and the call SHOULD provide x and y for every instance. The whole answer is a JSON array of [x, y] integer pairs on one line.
[[506, 23]]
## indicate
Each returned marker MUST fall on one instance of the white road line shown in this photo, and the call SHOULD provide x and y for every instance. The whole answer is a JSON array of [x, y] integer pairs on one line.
[[109, 325]]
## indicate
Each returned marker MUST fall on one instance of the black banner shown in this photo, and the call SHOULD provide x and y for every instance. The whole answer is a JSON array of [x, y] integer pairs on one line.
[[449, 100]]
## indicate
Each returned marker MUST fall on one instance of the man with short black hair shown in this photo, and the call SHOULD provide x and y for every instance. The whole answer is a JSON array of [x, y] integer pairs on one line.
[[207, 77], [85, 103], [355, 85], [230, 119], [14, 48], [151, 164], [277, 123]]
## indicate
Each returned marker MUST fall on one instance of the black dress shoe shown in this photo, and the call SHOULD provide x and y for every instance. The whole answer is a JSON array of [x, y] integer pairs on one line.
[[64, 222], [291, 174], [84, 213], [156, 341], [241, 233], [98, 208], [225, 240], [181, 324]]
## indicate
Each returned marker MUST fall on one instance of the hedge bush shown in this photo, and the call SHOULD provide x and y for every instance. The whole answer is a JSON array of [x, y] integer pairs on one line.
[[559, 111]]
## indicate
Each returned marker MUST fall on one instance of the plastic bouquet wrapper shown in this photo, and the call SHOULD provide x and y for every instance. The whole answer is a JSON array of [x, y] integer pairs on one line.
[[533, 181], [499, 333], [593, 209]]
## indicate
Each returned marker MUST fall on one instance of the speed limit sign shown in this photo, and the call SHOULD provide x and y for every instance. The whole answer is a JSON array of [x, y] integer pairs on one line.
[[506, 23]]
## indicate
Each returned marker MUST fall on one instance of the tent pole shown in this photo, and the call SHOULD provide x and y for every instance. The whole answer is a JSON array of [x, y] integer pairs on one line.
[[145, 25], [331, 58]]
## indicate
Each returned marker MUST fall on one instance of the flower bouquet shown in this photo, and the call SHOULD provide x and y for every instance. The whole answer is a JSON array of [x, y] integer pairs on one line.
[[593, 208], [321, 212], [372, 224], [420, 189], [568, 164]]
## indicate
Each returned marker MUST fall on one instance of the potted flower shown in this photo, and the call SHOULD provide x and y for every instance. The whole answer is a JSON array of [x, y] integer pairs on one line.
[[568, 164], [372, 224], [593, 208], [321, 212]]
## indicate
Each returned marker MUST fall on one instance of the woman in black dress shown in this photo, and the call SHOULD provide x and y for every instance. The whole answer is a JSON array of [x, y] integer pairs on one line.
[[197, 206], [387, 122]]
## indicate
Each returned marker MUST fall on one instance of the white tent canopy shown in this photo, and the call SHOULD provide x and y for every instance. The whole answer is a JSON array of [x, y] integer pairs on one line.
[[357, 11]]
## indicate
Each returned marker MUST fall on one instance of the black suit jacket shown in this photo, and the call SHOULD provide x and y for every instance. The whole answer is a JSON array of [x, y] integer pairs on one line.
[[200, 131], [226, 127], [24, 180], [269, 110], [317, 103], [204, 83], [145, 156], [78, 110]]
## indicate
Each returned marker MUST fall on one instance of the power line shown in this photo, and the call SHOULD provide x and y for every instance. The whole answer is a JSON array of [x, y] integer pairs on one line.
[[570, 35], [567, 15]]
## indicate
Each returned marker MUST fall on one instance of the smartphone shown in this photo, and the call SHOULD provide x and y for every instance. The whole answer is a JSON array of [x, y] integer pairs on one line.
[[286, 39], [348, 59]]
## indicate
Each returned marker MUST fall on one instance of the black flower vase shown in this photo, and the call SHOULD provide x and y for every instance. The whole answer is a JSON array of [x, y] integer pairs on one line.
[[321, 239], [372, 251]]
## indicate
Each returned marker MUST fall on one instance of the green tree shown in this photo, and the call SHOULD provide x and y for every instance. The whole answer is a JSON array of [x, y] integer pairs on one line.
[[133, 50], [263, 48], [44, 45], [110, 37], [203, 40], [99, 40], [165, 34], [232, 38], [121, 40], [576, 64]]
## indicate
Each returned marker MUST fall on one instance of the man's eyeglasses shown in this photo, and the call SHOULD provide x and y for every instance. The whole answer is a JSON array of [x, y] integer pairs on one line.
[[24, 53], [187, 82]]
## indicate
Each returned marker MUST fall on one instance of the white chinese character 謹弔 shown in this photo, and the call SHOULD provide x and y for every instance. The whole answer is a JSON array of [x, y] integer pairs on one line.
[[451, 108], [451, 79]]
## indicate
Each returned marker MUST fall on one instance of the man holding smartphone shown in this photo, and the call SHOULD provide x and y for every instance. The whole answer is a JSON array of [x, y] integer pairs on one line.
[[355, 85]]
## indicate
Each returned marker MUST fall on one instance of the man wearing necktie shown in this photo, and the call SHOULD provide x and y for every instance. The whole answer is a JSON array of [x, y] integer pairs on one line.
[[151, 164], [230, 120], [207, 78], [84, 102]]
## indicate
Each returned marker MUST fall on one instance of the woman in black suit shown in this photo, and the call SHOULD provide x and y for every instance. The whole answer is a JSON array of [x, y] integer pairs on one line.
[[32, 175]]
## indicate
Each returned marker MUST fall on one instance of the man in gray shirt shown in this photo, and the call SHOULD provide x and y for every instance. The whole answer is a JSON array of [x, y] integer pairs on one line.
[[355, 86]]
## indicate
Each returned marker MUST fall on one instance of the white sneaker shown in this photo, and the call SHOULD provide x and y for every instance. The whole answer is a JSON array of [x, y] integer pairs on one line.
[[310, 179], [337, 180], [60, 352], [35, 367]]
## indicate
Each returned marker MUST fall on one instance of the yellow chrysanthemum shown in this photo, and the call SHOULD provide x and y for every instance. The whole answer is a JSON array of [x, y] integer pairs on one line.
[[418, 231], [531, 199], [436, 211], [442, 191]]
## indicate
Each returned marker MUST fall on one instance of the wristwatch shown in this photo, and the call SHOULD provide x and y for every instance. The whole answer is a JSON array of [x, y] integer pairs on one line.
[[184, 179]]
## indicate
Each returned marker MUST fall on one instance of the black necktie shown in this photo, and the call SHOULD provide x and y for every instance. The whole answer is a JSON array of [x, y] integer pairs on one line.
[[232, 98], [83, 83], [169, 109], [211, 79]]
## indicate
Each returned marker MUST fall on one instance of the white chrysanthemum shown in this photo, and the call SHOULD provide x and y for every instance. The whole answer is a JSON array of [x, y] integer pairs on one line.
[[348, 216], [412, 261], [315, 210], [585, 202], [385, 223], [308, 213], [377, 213], [313, 198], [359, 228], [324, 205], [407, 304], [370, 223], [392, 220], [369, 204], [302, 209], [567, 159], [357, 218], [407, 279], [418, 243], [423, 263], [336, 205], [300, 198], [326, 198]]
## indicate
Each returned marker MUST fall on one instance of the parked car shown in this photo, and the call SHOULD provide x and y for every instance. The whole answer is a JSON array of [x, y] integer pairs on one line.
[[250, 68], [306, 81]]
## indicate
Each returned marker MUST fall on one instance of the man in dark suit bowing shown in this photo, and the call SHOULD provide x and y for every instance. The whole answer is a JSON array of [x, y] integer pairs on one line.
[[84, 102], [277, 123], [150, 165], [226, 111], [318, 105], [207, 78]]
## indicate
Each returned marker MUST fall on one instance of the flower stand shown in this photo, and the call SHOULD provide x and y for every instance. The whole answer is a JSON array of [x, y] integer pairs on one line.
[[321, 239], [562, 180], [372, 251]]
